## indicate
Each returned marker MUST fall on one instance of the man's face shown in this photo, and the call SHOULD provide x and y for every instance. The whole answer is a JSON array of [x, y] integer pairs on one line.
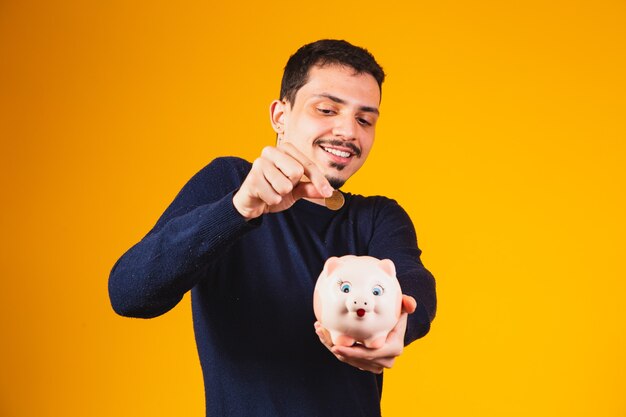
[[332, 121]]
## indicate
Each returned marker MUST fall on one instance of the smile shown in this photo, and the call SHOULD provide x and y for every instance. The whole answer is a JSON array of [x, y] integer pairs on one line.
[[337, 152], [339, 148]]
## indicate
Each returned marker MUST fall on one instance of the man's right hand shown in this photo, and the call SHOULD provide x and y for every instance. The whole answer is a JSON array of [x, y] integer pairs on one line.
[[275, 182]]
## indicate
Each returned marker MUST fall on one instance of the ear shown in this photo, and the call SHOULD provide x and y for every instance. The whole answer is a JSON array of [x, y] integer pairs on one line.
[[277, 116], [331, 264], [388, 266]]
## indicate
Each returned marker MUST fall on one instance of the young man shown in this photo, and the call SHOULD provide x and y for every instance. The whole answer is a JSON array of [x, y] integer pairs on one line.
[[249, 241]]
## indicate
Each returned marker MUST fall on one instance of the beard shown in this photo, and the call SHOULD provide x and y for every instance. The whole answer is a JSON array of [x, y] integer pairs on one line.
[[335, 182]]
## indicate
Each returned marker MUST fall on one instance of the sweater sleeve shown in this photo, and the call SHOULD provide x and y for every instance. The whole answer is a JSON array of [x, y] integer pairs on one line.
[[394, 238], [199, 225]]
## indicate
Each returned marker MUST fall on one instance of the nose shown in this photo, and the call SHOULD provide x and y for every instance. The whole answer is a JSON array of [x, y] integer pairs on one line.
[[345, 127], [360, 302]]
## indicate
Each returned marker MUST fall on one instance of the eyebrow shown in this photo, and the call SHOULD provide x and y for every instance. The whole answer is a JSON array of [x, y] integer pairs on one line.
[[342, 101]]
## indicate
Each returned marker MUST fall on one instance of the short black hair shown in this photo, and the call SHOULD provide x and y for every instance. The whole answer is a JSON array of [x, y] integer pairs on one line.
[[326, 52]]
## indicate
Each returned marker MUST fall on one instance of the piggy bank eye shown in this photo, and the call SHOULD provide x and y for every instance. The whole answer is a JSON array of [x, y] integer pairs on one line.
[[345, 287], [377, 290]]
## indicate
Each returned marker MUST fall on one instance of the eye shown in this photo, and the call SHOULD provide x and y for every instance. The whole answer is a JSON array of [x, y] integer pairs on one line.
[[345, 287], [363, 122], [377, 290], [326, 112]]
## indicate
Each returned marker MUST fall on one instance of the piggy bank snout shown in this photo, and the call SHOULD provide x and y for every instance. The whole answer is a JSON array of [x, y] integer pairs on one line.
[[356, 302]]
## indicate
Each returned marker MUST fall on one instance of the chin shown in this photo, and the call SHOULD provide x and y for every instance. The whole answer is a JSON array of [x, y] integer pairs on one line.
[[335, 182], [337, 177]]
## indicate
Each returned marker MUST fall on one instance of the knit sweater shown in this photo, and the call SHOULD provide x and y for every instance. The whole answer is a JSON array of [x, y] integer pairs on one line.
[[252, 289]]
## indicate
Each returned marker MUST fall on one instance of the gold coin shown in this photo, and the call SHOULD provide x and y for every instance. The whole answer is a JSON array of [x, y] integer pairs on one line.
[[335, 201]]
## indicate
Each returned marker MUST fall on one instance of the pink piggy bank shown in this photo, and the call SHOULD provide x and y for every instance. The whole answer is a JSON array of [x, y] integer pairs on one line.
[[358, 299]]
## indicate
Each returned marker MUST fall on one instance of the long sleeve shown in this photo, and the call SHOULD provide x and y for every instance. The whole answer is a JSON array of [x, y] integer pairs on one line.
[[199, 225], [394, 238]]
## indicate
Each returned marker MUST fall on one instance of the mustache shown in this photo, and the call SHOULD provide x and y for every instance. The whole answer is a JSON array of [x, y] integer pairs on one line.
[[339, 143]]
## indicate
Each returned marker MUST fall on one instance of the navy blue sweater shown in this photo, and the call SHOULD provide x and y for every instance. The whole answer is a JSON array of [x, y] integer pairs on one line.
[[252, 288]]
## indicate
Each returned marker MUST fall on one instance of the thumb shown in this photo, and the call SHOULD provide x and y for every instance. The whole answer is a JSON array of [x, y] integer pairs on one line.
[[408, 304], [305, 190]]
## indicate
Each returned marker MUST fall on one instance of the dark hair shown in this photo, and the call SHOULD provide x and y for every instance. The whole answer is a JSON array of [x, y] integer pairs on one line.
[[326, 52]]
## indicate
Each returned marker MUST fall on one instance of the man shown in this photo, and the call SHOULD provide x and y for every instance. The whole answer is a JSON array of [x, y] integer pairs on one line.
[[249, 241]]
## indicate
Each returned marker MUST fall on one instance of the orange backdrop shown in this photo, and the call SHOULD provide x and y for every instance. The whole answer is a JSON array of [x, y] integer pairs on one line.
[[503, 135]]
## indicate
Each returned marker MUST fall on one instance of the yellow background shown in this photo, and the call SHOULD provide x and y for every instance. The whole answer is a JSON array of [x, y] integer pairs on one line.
[[503, 134]]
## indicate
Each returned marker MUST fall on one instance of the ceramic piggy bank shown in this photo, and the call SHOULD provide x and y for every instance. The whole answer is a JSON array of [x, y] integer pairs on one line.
[[358, 299]]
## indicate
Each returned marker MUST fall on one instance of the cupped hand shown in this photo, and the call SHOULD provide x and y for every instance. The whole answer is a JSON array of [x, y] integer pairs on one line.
[[367, 359]]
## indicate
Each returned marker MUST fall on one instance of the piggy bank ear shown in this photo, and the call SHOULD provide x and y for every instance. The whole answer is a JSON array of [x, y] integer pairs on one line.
[[331, 264], [388, 266]]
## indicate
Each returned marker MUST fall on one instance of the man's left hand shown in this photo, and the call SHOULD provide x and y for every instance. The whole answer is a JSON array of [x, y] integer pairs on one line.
[[367, 359]]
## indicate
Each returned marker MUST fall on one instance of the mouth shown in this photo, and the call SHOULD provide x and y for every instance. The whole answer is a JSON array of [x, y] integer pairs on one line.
[[340, 156], [340, 152], [360, 312]]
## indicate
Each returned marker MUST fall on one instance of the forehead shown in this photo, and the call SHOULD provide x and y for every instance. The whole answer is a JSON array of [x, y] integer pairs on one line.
[[342, 82], [358, 273]]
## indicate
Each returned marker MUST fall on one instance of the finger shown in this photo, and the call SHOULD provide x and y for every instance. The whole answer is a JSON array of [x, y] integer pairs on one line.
[[257, 185], [290, 167], [395, 338], [310, 170], [324, 335], [408, 304], [384, 361], [358, 352], [376, 366], [363, 365], [375, 369], [394, 345], [265, 170], [266, 193], [399, 328], [371, 366], [372, 360], [306, 190], [277, 179]]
